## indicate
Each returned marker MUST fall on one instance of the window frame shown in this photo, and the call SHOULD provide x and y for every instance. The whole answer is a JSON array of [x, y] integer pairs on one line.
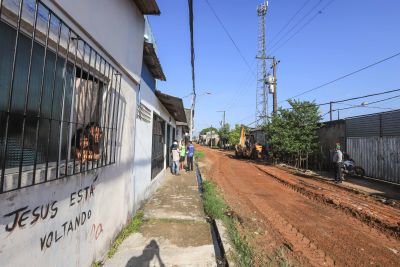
[[105, 75]]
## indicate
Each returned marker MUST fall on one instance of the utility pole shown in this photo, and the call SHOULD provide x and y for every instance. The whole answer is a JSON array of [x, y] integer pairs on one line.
[[223, 118], [330, 110], [274, 84]]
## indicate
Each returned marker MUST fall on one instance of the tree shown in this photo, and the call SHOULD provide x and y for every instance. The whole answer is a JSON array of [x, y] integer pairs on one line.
[[224, 134], [234, 134], [292, 132], [209, 129]]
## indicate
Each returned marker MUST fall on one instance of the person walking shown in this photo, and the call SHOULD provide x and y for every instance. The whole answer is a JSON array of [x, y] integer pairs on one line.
[[182, 155], [175, 158], [337, 163], [190, 154]]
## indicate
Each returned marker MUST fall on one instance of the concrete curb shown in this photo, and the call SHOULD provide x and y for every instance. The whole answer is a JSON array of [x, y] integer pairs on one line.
[[226, 244]]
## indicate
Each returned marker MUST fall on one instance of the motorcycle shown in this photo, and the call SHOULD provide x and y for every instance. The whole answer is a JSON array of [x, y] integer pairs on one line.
[[350, 168]]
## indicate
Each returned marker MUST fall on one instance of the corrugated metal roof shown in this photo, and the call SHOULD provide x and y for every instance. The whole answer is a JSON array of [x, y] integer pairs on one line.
[[153, 63], [148, 7]]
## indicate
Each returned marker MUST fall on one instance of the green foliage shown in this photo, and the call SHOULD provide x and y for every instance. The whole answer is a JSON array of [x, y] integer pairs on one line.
[[293, 131], [209, 129], [234, 135], [224, 133], [131, 228], [216, 208]]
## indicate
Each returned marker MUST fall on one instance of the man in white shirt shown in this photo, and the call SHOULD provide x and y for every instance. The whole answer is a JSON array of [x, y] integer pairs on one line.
[[337, 162], [175, 158]]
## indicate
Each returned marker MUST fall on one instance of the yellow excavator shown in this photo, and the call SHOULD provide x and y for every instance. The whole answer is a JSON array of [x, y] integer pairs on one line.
[[248, 146]]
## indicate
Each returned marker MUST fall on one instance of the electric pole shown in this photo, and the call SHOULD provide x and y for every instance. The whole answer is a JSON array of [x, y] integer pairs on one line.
[[273, 85], [223, 118]]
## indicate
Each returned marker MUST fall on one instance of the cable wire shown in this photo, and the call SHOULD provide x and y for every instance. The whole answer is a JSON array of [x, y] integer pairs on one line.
[[343, 76], [229, 36], [290, 20]]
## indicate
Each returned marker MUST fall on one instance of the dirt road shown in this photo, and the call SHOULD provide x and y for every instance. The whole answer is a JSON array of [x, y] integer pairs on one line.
[[306, 221]]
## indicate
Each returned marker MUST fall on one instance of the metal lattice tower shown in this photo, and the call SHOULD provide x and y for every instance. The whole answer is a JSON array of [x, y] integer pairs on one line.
[[262, 87]]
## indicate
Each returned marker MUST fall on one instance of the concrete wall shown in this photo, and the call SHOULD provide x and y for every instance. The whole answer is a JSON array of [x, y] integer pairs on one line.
[[143, 185], [116, 25], [330, 134], [72, 221]]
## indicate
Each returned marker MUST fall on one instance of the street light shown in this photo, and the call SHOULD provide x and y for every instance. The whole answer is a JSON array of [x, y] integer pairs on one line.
[[192, 110]]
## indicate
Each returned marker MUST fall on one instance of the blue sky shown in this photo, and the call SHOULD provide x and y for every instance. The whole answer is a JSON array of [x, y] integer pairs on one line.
[[346, 36]]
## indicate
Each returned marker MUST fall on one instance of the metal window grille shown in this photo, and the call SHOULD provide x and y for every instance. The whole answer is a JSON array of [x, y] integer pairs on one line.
[[53, 86], [157, 155]]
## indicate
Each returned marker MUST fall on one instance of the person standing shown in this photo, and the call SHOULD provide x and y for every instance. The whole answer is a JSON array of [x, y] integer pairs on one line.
[[182, 155], [190, 154], [337, 163], [175, 158]]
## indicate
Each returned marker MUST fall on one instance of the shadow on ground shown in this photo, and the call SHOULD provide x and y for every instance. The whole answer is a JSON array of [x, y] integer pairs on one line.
[[149, 252]]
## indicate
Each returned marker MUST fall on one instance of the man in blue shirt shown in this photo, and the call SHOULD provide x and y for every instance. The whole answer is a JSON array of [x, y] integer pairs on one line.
[[190, 154]]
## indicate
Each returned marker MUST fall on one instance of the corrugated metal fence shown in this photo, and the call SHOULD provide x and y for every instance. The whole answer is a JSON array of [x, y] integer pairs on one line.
[[379, 156], [373, 141]]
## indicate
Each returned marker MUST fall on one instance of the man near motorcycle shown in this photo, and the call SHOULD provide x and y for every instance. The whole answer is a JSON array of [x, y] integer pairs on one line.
[[337, 162]]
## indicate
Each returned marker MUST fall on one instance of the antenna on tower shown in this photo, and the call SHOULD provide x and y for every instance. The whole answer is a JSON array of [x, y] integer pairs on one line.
[[262, 86]]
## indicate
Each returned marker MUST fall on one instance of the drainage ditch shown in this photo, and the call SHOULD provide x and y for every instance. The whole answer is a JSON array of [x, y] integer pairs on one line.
[[217, 242]]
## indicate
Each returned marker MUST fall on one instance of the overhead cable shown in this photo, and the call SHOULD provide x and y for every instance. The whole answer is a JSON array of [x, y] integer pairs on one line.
[[343, 76]]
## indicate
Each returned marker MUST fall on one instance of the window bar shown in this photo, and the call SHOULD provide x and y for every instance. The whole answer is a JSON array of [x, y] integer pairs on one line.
[[100, 108], [78, 104], [91, 104], [21, 154], [10, 94], [112, 120], [52, 101], [41, 98], [105, 121], [116, 122], [70, 122], [62, 108], [103, 111], [109, 116], [102, 71], [86, 98]]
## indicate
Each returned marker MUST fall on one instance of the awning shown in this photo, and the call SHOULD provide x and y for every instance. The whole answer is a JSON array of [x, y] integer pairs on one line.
[[148, 7], [152, 62], [174, 105]]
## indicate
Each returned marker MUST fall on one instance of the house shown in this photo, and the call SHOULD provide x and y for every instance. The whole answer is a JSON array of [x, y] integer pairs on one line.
[[84, 132]]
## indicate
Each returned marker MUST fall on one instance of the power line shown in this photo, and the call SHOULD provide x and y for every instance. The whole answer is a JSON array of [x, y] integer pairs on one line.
[[344, 76], [303, 26], [229, 36], [290, 20], [298, 22], [359, 97]]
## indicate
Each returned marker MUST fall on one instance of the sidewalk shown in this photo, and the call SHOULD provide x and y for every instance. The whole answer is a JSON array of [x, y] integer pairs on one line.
[[174, 231]]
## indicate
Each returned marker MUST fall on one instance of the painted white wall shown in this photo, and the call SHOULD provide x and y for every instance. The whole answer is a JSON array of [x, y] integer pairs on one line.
[[115, 24], [144, 186], [110, 206]]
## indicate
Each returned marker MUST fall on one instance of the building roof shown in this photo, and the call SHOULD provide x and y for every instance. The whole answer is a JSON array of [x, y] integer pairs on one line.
[[148, 7], [174, 105], [152, 62]]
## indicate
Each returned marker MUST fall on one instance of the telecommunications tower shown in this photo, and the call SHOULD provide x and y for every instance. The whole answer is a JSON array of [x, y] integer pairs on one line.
[[262, 86]]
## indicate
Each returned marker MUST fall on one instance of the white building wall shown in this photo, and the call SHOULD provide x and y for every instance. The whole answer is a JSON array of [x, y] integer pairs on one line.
[[72, 221], [117, 25], [144, 186]]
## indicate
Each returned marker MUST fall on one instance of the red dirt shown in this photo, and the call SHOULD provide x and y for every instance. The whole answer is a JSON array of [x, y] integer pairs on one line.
[[323, 224]]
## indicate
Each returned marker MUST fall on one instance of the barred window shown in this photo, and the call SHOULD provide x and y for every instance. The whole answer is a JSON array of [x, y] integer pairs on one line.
[[157, 155], [59, 99]]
